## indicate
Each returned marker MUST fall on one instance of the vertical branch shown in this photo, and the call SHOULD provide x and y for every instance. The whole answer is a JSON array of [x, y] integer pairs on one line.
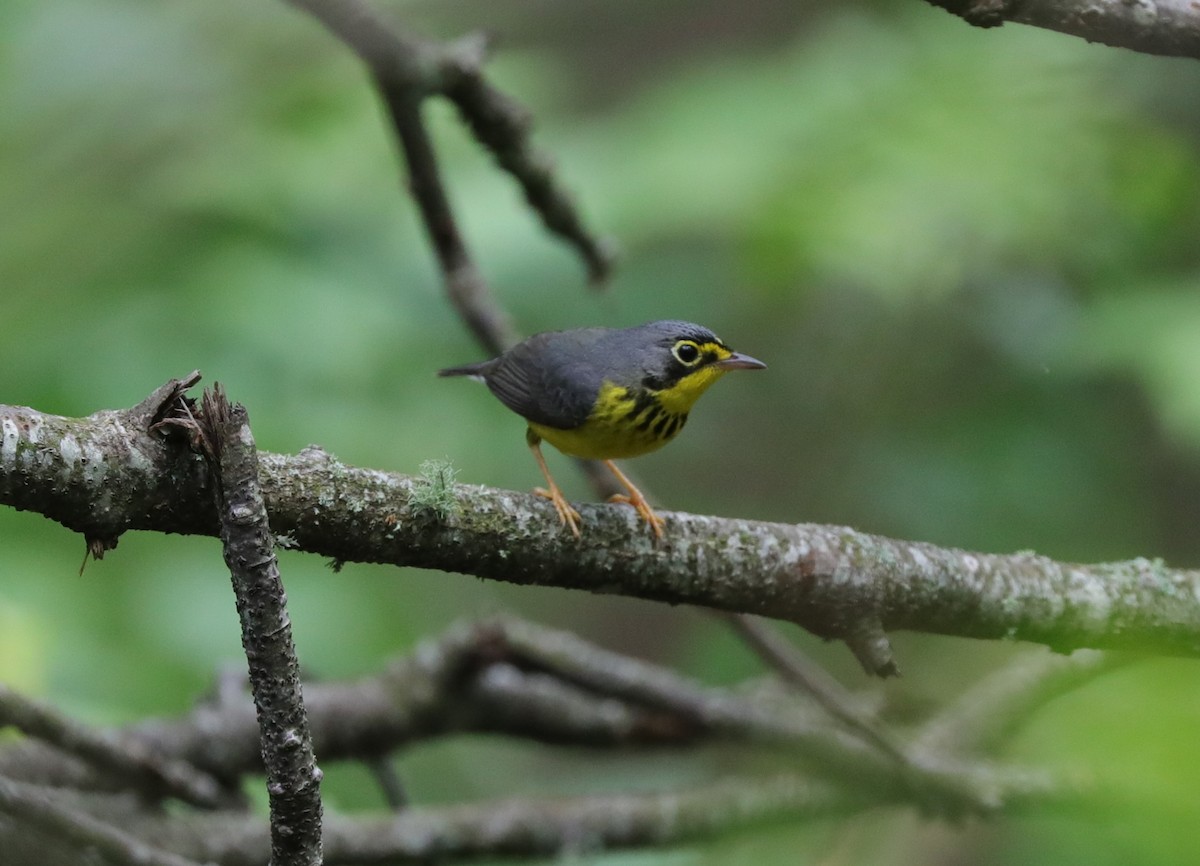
[[293, 778]]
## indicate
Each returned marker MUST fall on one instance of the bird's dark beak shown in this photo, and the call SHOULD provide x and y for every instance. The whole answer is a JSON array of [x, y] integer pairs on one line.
[[738, 361]]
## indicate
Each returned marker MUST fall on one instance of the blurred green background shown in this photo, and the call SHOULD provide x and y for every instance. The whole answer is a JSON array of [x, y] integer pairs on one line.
[[971, 259]]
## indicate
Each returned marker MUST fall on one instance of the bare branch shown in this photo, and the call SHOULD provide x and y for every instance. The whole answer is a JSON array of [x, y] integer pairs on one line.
[[561, 827], [407, 70], [384, 772], [828, 579], [526, 681], [465, 285], [796, 669], [1165, 27], [497, 676], [293, 778], [34, 807], [503, 126], [982, 718], [522, 680], [149, 772]]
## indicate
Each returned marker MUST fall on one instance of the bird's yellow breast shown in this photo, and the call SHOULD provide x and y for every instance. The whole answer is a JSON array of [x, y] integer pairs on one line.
[[628, 422]]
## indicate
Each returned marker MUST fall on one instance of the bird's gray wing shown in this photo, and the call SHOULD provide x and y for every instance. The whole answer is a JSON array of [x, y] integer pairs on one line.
[[546, 379]]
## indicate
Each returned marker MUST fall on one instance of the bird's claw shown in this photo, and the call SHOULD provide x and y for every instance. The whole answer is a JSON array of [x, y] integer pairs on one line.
[[566, 514], [643, 508]]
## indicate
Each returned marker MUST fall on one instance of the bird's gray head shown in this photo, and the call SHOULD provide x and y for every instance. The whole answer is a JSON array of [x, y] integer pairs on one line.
[[674, 352]]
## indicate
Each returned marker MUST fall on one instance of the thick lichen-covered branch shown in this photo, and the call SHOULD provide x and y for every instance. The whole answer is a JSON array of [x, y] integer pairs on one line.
[[829, 579], [104, 474]]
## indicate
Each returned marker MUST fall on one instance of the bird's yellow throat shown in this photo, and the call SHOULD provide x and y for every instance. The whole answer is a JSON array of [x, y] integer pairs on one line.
[[627, 422]]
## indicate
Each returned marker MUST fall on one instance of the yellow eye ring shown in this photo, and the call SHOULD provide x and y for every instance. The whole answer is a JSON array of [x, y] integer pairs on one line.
[[686, 352]]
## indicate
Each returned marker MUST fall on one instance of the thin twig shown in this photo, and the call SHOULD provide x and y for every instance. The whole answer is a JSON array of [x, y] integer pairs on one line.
[[983, 717], [799, 671], [390, 785], [465, 285], [401, 60], [502, 125], [409, 69]]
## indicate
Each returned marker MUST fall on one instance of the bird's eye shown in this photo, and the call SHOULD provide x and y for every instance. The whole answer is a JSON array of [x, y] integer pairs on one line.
[[687, 352]]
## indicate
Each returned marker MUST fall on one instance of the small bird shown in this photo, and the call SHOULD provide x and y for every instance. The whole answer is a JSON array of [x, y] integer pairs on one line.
[[607, 394]]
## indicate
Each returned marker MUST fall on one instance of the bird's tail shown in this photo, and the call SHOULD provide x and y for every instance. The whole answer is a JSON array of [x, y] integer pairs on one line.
[[476, 370]]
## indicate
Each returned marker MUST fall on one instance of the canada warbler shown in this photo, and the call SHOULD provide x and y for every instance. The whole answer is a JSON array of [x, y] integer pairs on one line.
[[605, 394]]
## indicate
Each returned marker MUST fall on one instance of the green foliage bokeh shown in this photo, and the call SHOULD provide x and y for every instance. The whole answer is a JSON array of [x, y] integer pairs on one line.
[[970, 259]]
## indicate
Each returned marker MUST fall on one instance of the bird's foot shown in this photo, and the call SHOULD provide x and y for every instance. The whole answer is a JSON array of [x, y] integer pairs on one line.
[[566, 514], [643, 508]]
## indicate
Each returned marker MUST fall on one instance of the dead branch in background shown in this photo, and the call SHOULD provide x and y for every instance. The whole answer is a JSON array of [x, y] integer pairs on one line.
[[515, 679], [406, 71]]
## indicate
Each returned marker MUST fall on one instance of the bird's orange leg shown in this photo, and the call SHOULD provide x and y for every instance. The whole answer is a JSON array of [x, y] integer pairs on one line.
[[636, 499], [566, 514]]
